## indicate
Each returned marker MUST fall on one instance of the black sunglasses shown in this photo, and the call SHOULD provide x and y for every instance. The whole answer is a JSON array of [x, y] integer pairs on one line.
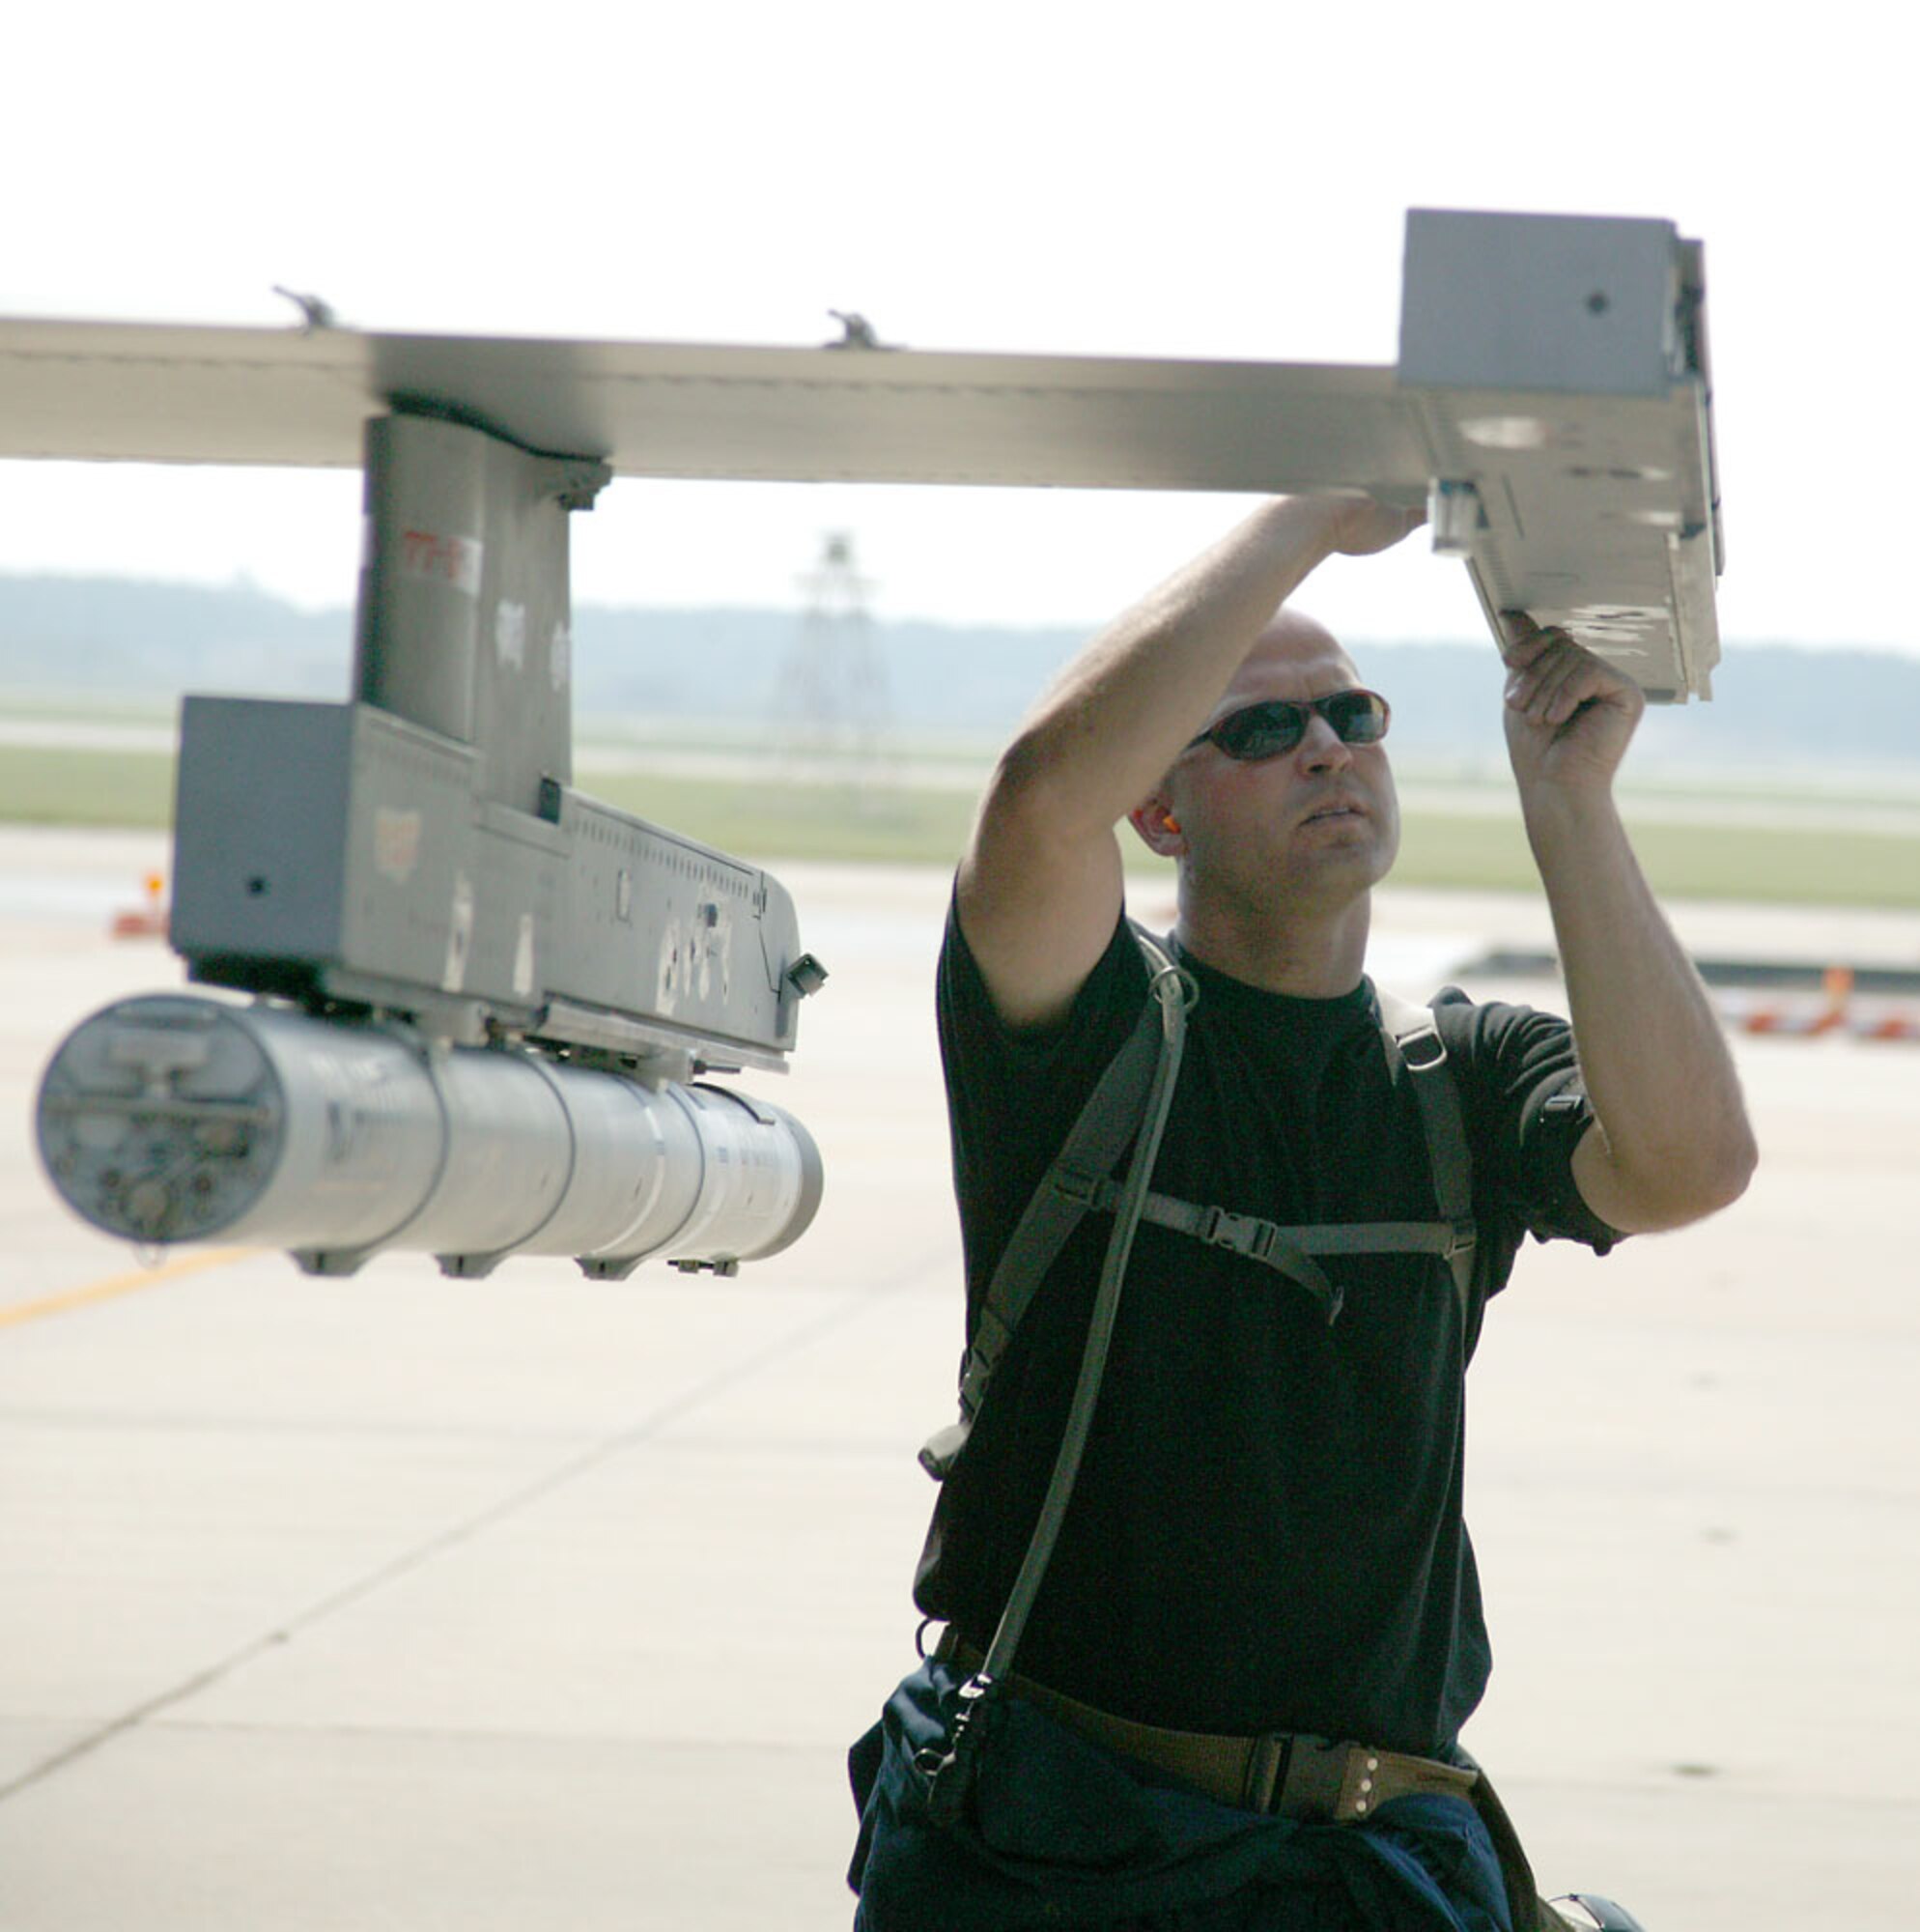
[[1276, 724]]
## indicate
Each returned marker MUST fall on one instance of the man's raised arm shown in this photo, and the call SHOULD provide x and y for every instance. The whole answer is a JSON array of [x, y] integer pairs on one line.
[[1670, 1141], [1039, 886]]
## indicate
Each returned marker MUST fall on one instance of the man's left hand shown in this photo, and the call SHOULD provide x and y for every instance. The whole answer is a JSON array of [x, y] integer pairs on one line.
[[1570, 715]]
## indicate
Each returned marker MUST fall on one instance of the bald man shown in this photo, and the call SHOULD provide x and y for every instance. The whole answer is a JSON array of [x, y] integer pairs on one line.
[[1238, 1700]]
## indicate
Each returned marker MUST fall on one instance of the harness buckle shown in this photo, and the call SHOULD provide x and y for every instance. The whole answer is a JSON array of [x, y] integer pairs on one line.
[[1466, 1237], [1423, 1049], [1261, 1241], [1080, 1189]]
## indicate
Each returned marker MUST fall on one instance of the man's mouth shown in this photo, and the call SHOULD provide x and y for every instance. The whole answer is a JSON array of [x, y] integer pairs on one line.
[[1337, 809]]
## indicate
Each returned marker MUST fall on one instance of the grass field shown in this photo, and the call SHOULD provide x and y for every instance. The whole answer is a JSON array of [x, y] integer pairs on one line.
[[1465, 845], [50, 785]]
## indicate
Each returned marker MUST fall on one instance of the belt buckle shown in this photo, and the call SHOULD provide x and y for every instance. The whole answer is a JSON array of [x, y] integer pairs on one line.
[[1323, 1782]]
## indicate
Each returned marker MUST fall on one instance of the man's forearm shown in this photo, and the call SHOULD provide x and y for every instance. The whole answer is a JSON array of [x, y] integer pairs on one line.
[[1107, 730], [1675, 1143]]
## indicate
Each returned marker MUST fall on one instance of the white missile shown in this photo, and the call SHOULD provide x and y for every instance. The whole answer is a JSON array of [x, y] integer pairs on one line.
[[177, 1117]]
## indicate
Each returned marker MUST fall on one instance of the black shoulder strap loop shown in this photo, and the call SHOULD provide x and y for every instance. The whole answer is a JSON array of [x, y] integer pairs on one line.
[[1412, 1038]]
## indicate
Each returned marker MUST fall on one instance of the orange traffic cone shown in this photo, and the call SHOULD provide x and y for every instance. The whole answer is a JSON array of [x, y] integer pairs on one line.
[[147, 920]]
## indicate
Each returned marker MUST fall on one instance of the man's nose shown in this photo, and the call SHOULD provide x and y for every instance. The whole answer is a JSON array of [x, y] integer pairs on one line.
[[1321, 748]]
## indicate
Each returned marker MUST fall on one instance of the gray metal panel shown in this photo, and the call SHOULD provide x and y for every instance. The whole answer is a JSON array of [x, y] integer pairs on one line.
[[340, 841], [1597, 517], [465, 620], [418, 638], [411, 874], [259, 802], [1567, 303], [316, 836], [661, 925]]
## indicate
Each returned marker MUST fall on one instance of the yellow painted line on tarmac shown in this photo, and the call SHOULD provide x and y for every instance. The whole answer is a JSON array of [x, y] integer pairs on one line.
[[120, 1284]]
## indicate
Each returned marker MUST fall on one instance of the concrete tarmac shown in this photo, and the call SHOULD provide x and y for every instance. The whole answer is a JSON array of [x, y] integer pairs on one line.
[[540, 1602]]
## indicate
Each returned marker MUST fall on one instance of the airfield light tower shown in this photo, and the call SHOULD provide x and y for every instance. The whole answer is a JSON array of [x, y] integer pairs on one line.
[[831, 699]]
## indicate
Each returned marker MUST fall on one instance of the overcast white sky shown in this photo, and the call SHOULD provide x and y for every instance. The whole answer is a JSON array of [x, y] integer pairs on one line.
[[1207, 180]]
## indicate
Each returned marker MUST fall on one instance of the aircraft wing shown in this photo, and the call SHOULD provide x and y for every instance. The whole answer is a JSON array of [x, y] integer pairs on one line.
[[155, 394], [1568, 455]]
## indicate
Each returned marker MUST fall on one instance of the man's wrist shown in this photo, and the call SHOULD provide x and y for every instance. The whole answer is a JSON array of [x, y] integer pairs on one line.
[[1311, 524], [1561, 810]]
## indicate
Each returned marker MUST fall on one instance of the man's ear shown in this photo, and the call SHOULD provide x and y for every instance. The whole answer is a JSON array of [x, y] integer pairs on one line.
[[1159, 830]]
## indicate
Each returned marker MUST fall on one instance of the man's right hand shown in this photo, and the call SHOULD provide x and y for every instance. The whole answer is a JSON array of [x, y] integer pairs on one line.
[[1367, 526]]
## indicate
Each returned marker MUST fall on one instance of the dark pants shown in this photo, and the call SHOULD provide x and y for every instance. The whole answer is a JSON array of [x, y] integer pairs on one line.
[[1058, 1832]]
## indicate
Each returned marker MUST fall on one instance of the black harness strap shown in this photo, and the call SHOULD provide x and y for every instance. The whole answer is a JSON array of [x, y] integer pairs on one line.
[[1413, 1041], [949, 1773], [1111, 1118]]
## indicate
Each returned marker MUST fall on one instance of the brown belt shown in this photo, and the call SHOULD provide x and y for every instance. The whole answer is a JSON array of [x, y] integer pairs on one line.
[[1290, 1774]]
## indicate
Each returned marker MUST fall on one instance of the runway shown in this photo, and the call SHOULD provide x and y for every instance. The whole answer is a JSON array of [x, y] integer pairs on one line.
[[405, 1602]]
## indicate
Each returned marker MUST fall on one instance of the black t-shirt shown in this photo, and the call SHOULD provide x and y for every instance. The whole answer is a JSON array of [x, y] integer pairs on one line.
[[1266, 1531]]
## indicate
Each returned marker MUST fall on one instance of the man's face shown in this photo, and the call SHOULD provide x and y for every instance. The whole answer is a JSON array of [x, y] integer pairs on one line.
[[1318, 824]]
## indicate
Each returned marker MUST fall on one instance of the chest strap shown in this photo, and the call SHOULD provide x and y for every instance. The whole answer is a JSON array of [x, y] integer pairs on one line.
[[1287, 1251], [1416, 1052]]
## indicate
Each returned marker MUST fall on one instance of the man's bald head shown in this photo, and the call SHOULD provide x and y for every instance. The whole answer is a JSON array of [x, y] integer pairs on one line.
[[1295, 656], [1308, 828]]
